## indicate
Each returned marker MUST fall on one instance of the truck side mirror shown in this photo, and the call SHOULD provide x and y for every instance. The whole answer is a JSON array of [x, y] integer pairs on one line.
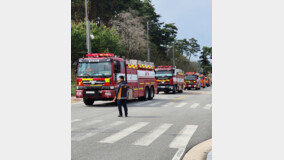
[[75, 65]]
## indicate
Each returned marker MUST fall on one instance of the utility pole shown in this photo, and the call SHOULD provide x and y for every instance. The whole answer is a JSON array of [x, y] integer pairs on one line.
[[148, 53], [87, 28], [174, 64]]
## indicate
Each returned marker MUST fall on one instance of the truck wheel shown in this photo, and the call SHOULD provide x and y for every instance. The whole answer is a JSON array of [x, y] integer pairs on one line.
[[180, 91], [166, 92], [146, 94], [88, 102], [151, 94], [175, 90]]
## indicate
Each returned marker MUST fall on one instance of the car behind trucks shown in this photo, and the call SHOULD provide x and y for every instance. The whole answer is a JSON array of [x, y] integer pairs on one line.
[[169, 78], [97, 78], [191, 80]]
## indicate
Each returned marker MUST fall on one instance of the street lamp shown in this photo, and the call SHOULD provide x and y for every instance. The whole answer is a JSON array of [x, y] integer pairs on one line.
[[87, 28], [148, 49], [174, 64]]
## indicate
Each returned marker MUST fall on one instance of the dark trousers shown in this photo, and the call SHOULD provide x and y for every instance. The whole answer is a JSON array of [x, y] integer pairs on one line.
[[120, 103]]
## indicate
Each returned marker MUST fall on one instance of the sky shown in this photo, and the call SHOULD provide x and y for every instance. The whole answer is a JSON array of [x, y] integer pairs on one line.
[[192, 17]]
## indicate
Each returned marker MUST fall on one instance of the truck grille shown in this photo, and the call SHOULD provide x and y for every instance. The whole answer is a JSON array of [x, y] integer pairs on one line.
[[93, 82]]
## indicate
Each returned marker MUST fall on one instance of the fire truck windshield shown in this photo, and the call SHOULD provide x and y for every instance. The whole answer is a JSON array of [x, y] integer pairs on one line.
[[190, 77], [95, 69], [164, 74]]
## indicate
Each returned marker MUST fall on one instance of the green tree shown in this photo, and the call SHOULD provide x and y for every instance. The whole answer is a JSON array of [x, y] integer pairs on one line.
[[204, 59], [194, 48], [169, 33], [105, 39]]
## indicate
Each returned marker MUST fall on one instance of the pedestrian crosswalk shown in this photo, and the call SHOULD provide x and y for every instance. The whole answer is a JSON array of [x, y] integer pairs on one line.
[[183, 137], [149, 138], [92, 132], [208, 106], [88, 123], [180, 141], [76, 120], [181, 104], [83, 129], [173, 104], [194, 105], [123, 133]]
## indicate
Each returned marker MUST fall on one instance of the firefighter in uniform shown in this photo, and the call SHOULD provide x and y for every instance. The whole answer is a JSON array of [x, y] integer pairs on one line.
[[121, 96]]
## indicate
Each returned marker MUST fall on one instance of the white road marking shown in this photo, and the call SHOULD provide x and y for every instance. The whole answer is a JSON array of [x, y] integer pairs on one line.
[[86, 124], [153, 135], [97, 130], [119, 135], [156, 103], [138, 103], [168, 104], [194, 105], [178, 154], [182, 139], [208, 106], [181, 104], [76, 120]]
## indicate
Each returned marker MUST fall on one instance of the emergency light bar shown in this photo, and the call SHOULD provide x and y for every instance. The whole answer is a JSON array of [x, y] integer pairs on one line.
[[100, 55], [190, 73], [165, 66]]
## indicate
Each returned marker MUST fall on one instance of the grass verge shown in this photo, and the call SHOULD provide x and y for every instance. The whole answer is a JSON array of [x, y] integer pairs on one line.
[[73, 83]]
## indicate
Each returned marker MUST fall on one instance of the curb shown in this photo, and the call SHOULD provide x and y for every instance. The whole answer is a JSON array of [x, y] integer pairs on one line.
[[209, 156], [200, 151]]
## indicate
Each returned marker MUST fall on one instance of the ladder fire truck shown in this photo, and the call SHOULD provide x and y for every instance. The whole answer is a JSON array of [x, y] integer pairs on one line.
[[97, 77], [169, 78]]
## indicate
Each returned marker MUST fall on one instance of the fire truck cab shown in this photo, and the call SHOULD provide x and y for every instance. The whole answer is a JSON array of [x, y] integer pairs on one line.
[[202, 80], [169, 78], [191, 80], [97, 77]]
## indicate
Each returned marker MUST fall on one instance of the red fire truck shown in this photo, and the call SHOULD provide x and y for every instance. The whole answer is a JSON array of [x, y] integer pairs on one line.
[[191, 80], [169, 78], [97, 77]]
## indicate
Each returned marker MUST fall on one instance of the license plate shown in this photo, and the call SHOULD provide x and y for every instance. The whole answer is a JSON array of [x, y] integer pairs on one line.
[[162, 86], [107, 93], [90, 92]]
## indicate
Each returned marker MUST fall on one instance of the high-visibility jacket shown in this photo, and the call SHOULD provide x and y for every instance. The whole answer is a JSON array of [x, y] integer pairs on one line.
[[122, 91]]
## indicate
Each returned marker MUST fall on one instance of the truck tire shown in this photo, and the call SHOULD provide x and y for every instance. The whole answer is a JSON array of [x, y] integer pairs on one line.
[[166, 92], [88, 102], [151, 93], [146, 94], [174, 90]]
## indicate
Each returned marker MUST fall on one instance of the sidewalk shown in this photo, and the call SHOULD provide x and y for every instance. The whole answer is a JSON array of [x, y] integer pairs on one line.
[[200, 151], [74, 99]]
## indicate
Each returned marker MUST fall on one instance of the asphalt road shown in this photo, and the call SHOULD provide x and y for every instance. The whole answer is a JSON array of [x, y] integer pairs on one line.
[[161, 129]]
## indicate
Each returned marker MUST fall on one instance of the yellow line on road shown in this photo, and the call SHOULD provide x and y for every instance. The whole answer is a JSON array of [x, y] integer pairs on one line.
[[179, 98]]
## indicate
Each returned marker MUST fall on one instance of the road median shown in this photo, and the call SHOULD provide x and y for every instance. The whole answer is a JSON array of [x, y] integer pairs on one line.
[[200, 151]]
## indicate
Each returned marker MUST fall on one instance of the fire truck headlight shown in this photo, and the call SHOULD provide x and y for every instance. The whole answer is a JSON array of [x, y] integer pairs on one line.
[[111, 87], [79, 93]]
